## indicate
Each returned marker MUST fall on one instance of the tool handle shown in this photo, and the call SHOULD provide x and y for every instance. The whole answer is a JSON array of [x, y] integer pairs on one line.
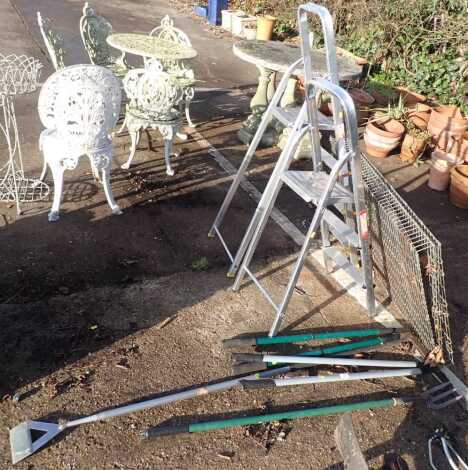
[[233, 343], [253, 384], [304, 337], [238, 369], [267, 418], [159, 431], [251, 358]]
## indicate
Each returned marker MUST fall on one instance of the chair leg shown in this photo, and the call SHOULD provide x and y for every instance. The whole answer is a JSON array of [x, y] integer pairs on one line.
[[189, 93], [108, 190], [167, 156], [57, 174], [135, 137], [168, 135], [124, 123], [43, 175]]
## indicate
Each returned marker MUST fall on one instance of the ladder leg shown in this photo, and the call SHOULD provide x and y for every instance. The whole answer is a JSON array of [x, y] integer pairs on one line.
[[368, 277], [363, 231], [295, 275], [240, 174], [265, 206], [267, 115]]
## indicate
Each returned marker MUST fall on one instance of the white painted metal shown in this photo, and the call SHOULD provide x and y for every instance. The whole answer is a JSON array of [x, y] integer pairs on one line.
[[19, 75], [176, 67], [154, 96], [53, 42], [94, 30], [78, 106]]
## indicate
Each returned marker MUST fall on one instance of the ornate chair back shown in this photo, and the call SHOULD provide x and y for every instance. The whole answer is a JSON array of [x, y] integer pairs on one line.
[[53, 42], [168, 32], [154, 92], [94, 30], [81, 103]]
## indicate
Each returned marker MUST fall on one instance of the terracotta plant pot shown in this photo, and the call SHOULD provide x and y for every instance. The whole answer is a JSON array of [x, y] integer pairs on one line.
[[410, 98], [265, 26], [458, 150], [362, 101], [383, 136], [452, 158], [326, 107], [444, 123], [439, 174], [393, 126], [420, 117], [412, 147], [459, 186]]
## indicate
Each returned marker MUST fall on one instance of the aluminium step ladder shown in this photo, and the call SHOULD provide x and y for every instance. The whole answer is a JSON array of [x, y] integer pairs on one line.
[[301, 121]]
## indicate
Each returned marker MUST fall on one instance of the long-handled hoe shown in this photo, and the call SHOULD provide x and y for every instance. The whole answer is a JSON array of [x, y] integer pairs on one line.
[[21, 436]]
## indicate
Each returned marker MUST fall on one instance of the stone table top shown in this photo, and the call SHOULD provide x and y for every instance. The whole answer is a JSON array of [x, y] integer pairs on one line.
[[148, 46], [278, 56]]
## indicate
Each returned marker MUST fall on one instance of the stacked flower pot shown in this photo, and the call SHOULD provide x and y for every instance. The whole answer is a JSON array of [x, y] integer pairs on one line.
[[443, 130], [449, 159], [385, 134]]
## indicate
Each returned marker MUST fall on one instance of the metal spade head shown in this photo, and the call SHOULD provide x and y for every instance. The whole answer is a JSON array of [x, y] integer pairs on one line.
[[23, 441]]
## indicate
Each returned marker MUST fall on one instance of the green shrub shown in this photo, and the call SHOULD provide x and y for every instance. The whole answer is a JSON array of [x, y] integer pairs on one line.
[[422, 44]]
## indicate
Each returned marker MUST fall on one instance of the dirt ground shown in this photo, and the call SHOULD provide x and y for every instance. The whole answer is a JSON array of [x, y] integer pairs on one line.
[[99, 310]]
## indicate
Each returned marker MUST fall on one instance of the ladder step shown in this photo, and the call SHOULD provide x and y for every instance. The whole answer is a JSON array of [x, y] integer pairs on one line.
[[310, 186], [288, 115], [343, 232], [342, 262]]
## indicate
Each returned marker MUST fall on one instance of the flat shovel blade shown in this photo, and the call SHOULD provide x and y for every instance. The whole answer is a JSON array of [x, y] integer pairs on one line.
[[21, 439]]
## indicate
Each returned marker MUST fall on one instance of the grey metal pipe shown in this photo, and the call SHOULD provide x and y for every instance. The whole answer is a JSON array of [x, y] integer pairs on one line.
[[333, 361], [184, 395], [378, 374]]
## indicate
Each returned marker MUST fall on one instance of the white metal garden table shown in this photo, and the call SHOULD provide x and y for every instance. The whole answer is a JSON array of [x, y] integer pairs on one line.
[[274, 56], [151, 47]]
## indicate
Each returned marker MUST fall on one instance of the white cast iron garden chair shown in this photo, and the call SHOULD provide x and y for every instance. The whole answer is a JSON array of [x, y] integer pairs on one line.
[[94, 30], [78, 106], [178, 68], [53, 42], [154, 96]]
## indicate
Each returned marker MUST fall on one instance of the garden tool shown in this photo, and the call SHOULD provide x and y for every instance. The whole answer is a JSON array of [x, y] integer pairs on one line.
[[331, 361], [23, 443], [352, 347], [442, 437], [348, 445], [451, 390], [327, 378], [172, 429], [304, 337]]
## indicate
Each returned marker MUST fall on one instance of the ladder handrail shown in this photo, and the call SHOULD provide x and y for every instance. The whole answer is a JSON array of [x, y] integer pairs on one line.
[[328, 36], [347, 105]]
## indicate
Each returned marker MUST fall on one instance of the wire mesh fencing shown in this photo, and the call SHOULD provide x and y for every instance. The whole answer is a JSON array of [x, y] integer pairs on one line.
[[407, 262]]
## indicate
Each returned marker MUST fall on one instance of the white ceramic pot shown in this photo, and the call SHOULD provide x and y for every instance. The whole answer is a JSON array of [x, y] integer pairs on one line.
[[238, 21], [250, 33], [226, 18]]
